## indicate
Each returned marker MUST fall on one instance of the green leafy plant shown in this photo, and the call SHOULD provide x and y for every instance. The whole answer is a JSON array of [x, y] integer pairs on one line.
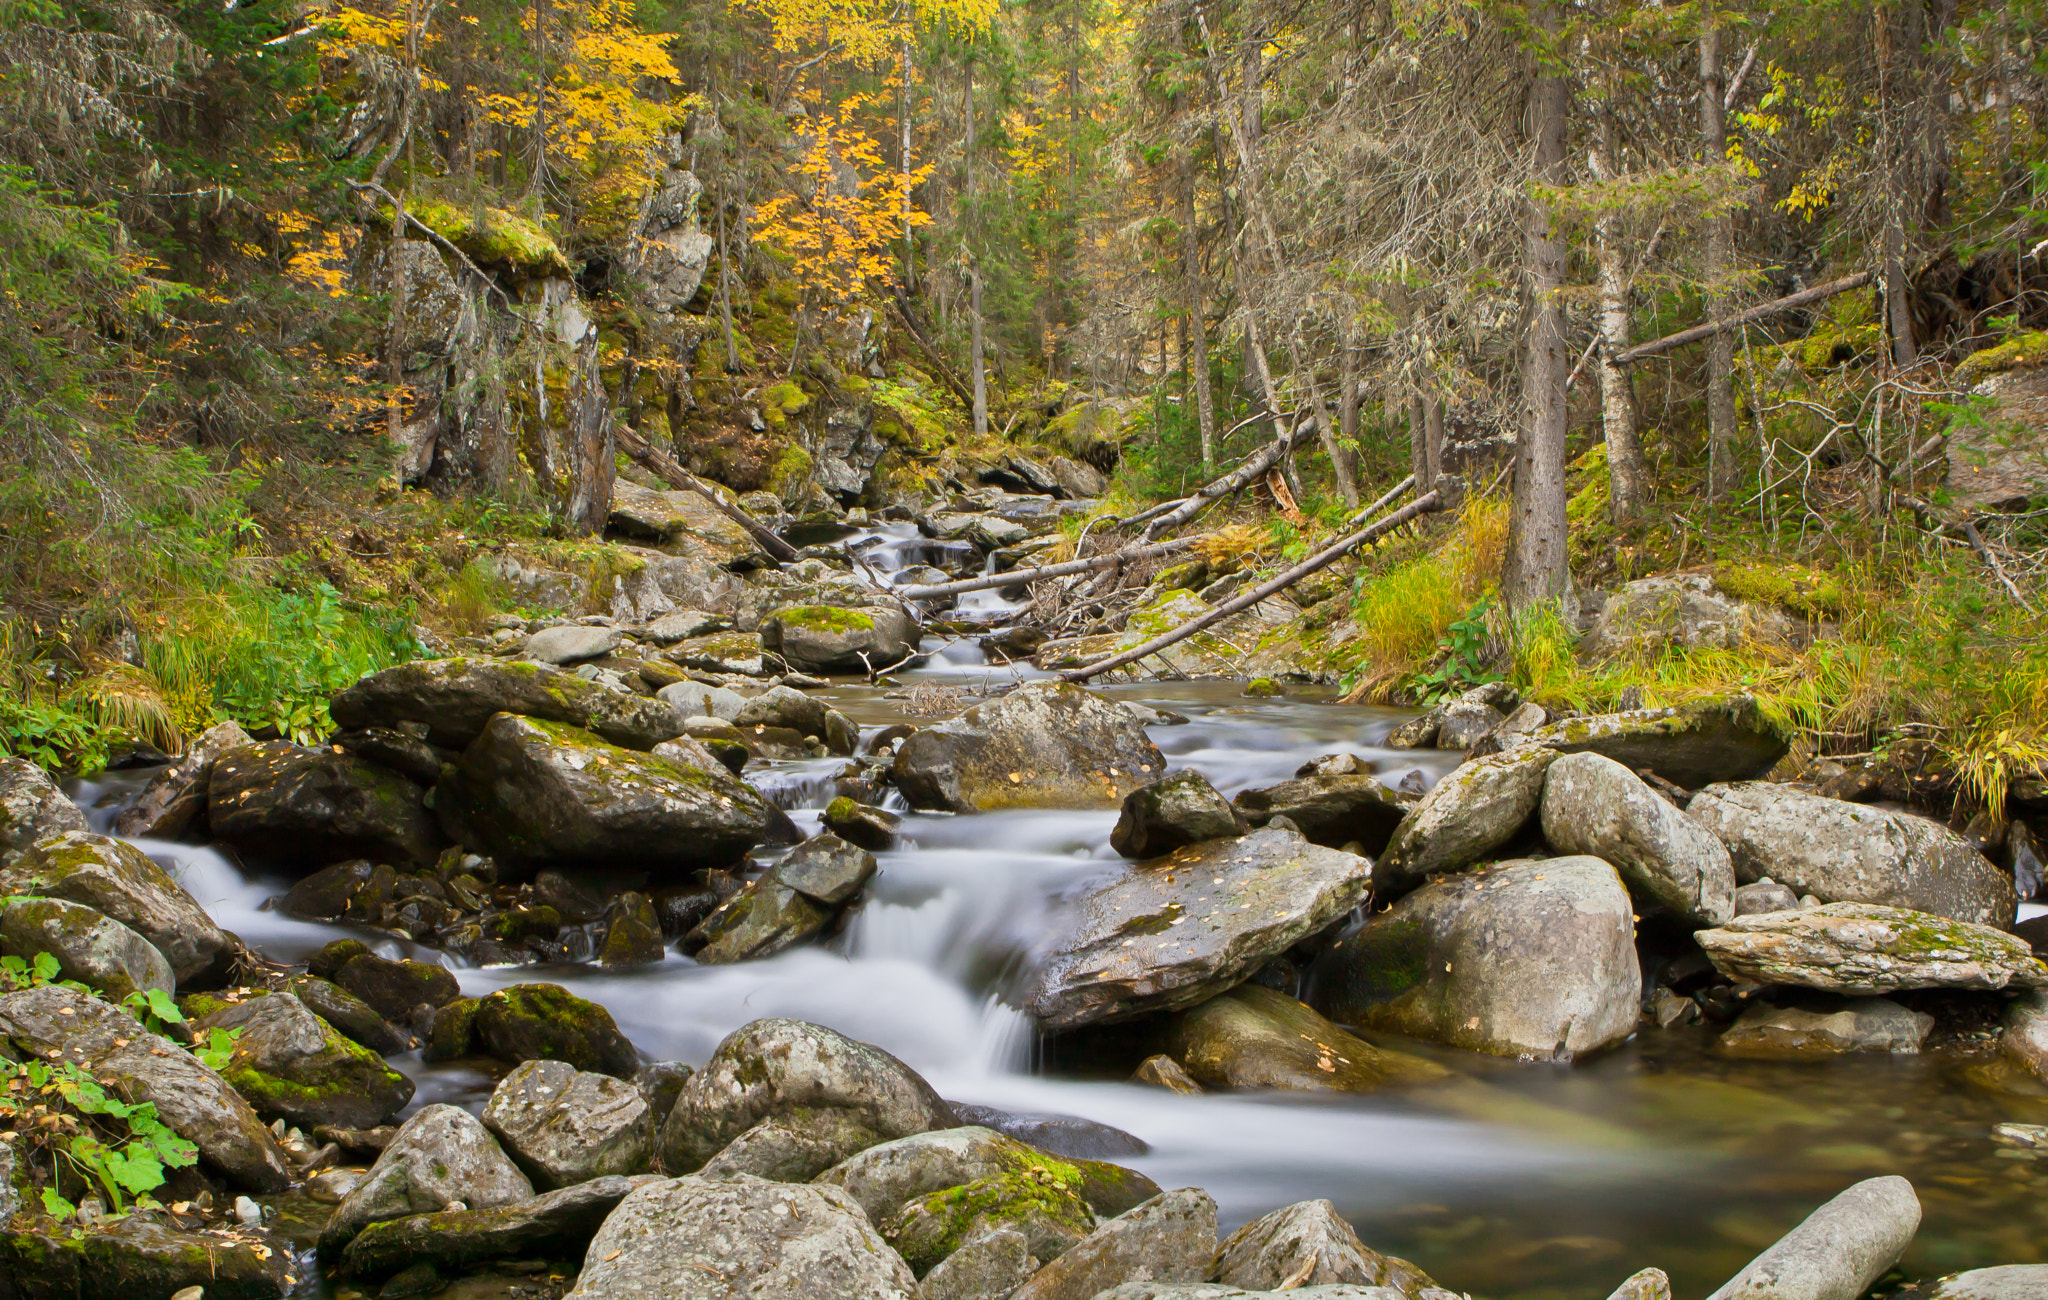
[[156, 1010], [119, 1148], [1461, 665], [23, 973]]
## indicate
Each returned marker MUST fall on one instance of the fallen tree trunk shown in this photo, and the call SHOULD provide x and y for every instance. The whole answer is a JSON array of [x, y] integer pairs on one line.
[[675, 475], [1422, 505], [940, 366], [1016, 577], [1253, 469], [1762, 311], [1393, 494]]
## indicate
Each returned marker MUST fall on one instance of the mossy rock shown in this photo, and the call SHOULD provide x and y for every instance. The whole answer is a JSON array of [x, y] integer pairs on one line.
[[454, 1031], [1042, 1201], [546, 1022], [1262, 688], [493, 235], [289, 1064], [2020, 352], [1793, 586]]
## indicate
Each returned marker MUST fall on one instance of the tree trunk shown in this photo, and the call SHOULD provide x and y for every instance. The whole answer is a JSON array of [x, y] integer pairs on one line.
[[980, 366], [1433, 430], [1627, 477], [592, 453], [1418, 442], [903, 159], [1198, 325], [732, 347], [1721, 430], [1537, 560]]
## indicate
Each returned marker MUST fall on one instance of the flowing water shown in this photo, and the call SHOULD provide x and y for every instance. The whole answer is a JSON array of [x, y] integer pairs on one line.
[[1560, 1183]]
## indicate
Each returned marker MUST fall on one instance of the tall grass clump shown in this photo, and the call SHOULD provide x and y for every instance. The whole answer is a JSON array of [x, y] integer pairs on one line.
[[1405, 612]]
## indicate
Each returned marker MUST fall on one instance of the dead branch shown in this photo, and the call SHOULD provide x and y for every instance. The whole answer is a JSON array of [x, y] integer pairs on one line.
[[1253, 469], [1762, 311], [675, 475], [1018, 577]]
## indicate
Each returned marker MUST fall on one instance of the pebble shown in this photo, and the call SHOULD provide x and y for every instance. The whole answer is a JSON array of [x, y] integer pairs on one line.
[[248, 1213]]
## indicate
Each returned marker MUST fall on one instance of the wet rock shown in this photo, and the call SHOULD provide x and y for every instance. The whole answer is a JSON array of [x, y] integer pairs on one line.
[[190, 1098], [696, 700], [1593, 805], [452, 1031], [565, 1126], [136, 1257], [1162, 1071], [88, 947], [1825, 1030], [827, 639], [294, 1066], [2023, 856], [777, 1068], [1175, 931], [396, 990], [1170, 1238], [1865, 949], [1839, 1250], [765, 918], [327, 961], [350, 1014], [826, 869], [312, 806], [554, 1224], [571, 645], [1649, 1284], [858, 823], [2004, 1282], [1254, 1037], [441, 1155], [1043, 745], [1464, 722], [1853, 853], [988, 1266], [1534, 960], [174, 801], [546, 1022], [1181, 810], [542, 793], [660, 1083], [1693, 745], [2025, 1038], [407, 754], [740, 1239], [1418, 732], [885, 1178], [1765, 895], [457, 698], [1473, 811], [782, 706], [1038, 1204], [1331, 808], [328, 893], [634, 936], [32, 807], [1308, 1244], [116, 880]]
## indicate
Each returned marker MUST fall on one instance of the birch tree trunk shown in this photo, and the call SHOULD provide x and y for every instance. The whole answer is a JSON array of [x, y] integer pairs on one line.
[[1627, 475], [1198, 326], [1721, 430]]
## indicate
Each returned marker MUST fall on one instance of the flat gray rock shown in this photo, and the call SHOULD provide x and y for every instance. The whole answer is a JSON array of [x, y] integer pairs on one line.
[[1178, 930], [1043, 745], [32, 807], [554, 1223], [565, 1126], [1307, 1245], [1595, 806], [988, 1266], [571, 645], [1838, 1251], [2005, 1282], [1865, 949], [1819, 1032], [1842, 852], [1480, 806]]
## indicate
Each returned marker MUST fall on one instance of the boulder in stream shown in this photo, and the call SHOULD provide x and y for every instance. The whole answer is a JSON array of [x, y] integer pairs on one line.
[[135, 1256], [1480, 806], [1695, 744], [1039, 1204], [565, 1126], [1177, 930], [1593, 805], [829, 639], [308, 807], [1526, 959], [1173, 813], [1043, 745], [1333, 809], [1308, 1244], [1864, 949], [1821, 1030], [294, 1066], [1838, 1251], [117, 880], [552, 1225], [885, 1178], [1842, 852], [2025, 1039], [1170, 1238], [174, 801], [32, 807], [441, 1155], [89, 948], [457, 698], [1256, 1037], [546, 1022], [538, 794]]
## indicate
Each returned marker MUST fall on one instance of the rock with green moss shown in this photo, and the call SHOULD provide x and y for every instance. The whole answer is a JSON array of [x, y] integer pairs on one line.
[[441, 1155], [676, 516], [633, 935], [1480, 806], [1725, 738], [89, 948], [826, 639], [456, 698], [556, 1224], [174, 802], [294, 1066], [136, 1256], [538, 794], [327, 960], [1308, 1245], [1843, 852], [453, 1032], [305, 807], [1169, 1239], [1865, 949], [1255, 1037], [858, 823], [396, 990], [117, 880], [1043, 745], [31, 807], [1535, 960], [1171, 814], [778, 1069], [56, 1022], [1176, 931], [565, 1126], [1333, 809], [1262, 688], [1999, 457], [350, 1014], [1685, 611], [1039, 1203], [887, 1177], [546, 1022]]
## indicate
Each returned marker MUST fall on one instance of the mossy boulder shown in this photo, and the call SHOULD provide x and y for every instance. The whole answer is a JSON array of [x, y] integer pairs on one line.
[[396, 990], [453, 1034], [633, 935], [89, 948], [1654, 616], [887, 1177], [1724, 738], [1256, 1037], [1864, 949], [118, 881], [137, 1257], [828, 639], [553, 1225], [456, 698], [349, 1013], [441, 1155], [292, 1065], [1040, 1202], [546, 1022], [32, 807], [858, 823], [545, 794], [1043, 745], [308, 807]]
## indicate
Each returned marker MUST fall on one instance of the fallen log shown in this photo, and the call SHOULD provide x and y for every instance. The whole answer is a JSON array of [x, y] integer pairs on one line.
[[1422, 505], [665, 468], [1016, 577], [1252, 469], [1762, 311], [1393, 494]]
